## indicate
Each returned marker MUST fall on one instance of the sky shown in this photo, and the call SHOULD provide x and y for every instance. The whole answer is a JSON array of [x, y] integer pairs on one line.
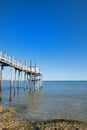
[[51, 33]]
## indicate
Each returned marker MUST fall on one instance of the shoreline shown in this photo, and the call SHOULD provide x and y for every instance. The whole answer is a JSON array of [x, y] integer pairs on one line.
[[8, 121]]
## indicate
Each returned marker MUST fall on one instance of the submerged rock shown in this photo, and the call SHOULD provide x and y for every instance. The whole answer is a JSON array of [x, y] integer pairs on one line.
[[62, 124]]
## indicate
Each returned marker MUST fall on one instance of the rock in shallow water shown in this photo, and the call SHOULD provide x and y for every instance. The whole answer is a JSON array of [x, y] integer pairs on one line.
[[8, 121]]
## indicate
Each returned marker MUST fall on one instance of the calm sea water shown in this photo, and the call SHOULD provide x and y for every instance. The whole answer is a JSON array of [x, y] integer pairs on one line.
[[57, 99]]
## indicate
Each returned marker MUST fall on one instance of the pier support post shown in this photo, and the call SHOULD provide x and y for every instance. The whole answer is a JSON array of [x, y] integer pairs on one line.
[[24, 80], [39, 81], [1, 82], [21, 77], [10, 96], [30, 81], [27, 80], [40, 85], [35, 79], [15, 83], [30, 75], [18, 79]]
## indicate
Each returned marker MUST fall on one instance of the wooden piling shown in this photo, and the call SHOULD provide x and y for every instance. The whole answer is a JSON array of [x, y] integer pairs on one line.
[[1, 82], [10, 95], [15, 83], [30, 74], [27, 80], [35, 79], [21, 77], [24, 80], [40, 82], [18, 79]]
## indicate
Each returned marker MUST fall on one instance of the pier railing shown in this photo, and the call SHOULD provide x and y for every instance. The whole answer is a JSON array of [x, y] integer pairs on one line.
[[11, 61]]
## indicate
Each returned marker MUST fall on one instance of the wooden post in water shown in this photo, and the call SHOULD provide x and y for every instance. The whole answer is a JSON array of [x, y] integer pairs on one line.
[[15, 83], [10, 96], [21, 77], [18, 79], [24, 80], [30, 74], [27, 80], [41, 82], [35, 79], [40, 85], [1, 82]]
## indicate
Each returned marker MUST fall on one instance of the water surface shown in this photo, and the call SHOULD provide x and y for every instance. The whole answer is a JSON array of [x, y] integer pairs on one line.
[[57, 99]]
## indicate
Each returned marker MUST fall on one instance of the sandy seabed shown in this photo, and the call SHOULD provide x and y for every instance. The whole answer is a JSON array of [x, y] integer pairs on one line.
[[8, 121]]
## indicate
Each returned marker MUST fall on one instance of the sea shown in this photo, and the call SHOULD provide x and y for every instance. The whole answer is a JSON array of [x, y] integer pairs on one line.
[[56, 100]]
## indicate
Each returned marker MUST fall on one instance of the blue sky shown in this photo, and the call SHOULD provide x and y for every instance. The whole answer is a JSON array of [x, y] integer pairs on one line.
[[53, 33]]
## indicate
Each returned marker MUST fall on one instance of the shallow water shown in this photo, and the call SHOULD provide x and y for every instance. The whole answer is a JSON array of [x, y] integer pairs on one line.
[[57, 99]]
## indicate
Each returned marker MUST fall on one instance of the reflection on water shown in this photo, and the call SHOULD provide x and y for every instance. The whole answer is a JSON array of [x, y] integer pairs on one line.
[[55, 100]]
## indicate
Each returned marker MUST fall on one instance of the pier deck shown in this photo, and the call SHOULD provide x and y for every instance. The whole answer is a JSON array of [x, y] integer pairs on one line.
[[6, 60]]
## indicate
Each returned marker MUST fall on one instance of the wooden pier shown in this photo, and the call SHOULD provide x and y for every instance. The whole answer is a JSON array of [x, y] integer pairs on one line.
[[31, 73]]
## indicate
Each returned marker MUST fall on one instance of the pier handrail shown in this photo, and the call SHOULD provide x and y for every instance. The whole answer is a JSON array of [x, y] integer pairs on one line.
[[7, 59]]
